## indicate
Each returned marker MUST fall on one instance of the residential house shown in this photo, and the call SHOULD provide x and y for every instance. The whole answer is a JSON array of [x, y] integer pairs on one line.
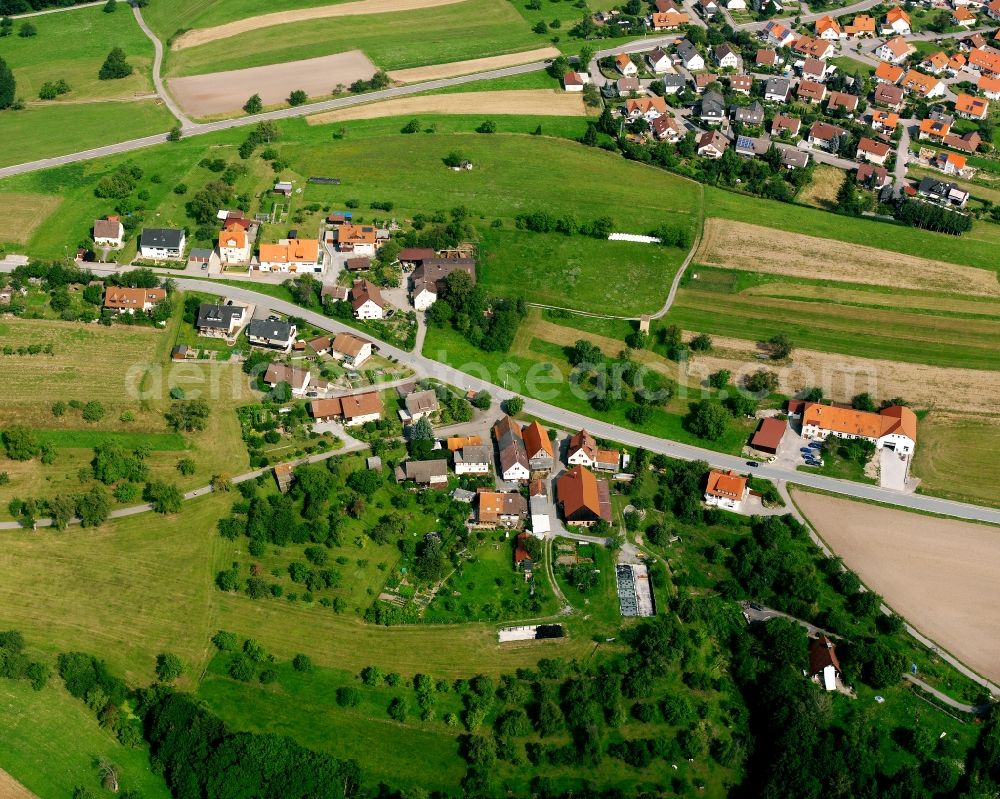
[[627, 86], [963, 18], [292, 255], [357, 264], [933, 129], [896, 21], [125, 300], [990, 87], [474, 459], [429, 474], [884, 121], [357, 239], [810, 92], [296, 378], [672, 83], [428, 280], [726, 57], [410, 257], [689, 56], [825, 136], [969, 107], [647, 108], [888, 73], [792, 157], [222, 321], [776, 90], [704, 80], [320, 345], [667, 129], [829, 29], [768, 436], [950, 163], [162, 244], [419, 404], [712, 144], [967, 143], [514, 463], [585, 500], [581, 450], [986, 61], [893, 50], [813, 48], [768, 58], [353, 409], [234, 245], [741, 84], [975, 42], [366, 300], [455, 443], [625, 65], [863, 25], [668, 20], [726, 490], [873, 177], [109, 232], [712, 108], [350, 350], [993, 10], [876, 152], [575, 81], [752, 146], [333, 293], [842, 101], [659, 61], [782, 124], [935, 63], [894, 427], [504, 509], [538, 446], [923, 85], [522, 558], [777, 34], [272, 333], [707, 8], [283, 187], [956, 63], [752, 114], [813, 69], [942, 192], [824, 668], [888, 95]]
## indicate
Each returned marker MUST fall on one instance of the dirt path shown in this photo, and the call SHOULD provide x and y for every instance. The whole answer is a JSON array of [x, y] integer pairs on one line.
[[843, 376], [207, 95], [738, 245], [436, 71], [206, 35], [938, 573], [541, 102], [12, 789]]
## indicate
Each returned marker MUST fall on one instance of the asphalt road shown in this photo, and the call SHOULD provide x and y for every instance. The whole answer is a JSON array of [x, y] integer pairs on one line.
[[569, 420]]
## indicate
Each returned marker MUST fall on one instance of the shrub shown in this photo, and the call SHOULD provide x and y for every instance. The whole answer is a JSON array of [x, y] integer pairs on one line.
[[115, 66], [297, 97], [226, 641], [302, 663], [168, 667], [348, 696]]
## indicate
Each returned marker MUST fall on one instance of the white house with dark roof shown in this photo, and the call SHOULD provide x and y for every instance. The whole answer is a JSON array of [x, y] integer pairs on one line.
[[162, 244], [272, 333]]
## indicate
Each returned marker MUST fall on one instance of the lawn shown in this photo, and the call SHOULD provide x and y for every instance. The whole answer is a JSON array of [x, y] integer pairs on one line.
[[598, 603], [44, 131], [976, 248], [470, 29], [72, 45], [851, 66], [835, 318], [51, 741], [91, 362], [23, 213], [951, 448]]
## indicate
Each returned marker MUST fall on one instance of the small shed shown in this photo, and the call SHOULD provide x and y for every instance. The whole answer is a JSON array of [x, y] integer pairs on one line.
[[283, 187], [374, 463], [283, 476], [769, 434]]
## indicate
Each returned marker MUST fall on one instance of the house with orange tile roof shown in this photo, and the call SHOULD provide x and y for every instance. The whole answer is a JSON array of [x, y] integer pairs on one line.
[[726, 490], [893, 50], [829, 29], [935, 63], [896, 21], [969, 107], [925, 86], [842, 101], [584, 499], [234, 245], [863, 25], [950, 163], [809, 91], [933, 129], [986, 61], [989, 86], [813, 48], [669, 20], [358, 239], [993, 9], [957, 63], [503, 509], [874, 151], [125, 300], [292, 255], [894, 427], [886, 121], [963, 17], [648, 108], [888, 73], [625, 66], [537, 444]]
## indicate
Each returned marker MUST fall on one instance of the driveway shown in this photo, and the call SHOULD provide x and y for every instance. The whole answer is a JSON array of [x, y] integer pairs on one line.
[[892, 469]]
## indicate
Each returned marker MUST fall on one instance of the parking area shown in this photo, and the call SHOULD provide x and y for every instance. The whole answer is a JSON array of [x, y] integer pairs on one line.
[[892, 469]]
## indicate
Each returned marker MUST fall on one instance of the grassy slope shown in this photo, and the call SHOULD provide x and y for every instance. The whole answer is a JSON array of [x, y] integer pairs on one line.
[[953, 448], [46, 131], [51, 740], [976, 248], [471, 29], [72, 45], [167, 18]]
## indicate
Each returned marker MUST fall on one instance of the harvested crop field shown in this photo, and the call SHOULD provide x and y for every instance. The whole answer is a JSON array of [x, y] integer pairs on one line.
[[843, 376], [22, 214], [436, 71], [205, 95], [12, 789], [738, 245], [533, 102], [938, 573], [206, 35]]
